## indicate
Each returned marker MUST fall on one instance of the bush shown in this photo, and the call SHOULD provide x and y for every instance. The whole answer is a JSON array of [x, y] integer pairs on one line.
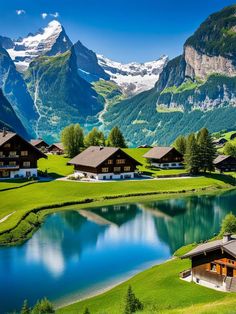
[[228, 224]]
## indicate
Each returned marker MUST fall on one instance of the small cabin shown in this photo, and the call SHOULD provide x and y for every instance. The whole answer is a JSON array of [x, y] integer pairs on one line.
[[164, 157], [225, 163], [40, 144], [18, 158], [213, 264], [104, 163], [56, 149]]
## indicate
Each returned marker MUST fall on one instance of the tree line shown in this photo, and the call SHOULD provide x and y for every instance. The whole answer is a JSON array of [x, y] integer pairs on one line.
[[198, 150], [75, 141]]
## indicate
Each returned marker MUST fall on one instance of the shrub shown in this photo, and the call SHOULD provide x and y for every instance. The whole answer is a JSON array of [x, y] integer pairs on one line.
[[132, 304], [228, 224]]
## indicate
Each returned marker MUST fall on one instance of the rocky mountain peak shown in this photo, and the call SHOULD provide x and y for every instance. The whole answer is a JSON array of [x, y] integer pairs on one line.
[[50, 40]]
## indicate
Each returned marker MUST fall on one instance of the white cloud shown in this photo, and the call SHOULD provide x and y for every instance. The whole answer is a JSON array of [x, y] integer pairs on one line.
[[44, 15], [56, 14], [20, 12]]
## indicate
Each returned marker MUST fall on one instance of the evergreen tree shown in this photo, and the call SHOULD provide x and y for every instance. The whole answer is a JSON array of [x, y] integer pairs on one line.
[[230, 149], [180, 144], [25, 308], [132, 304], [43, 306], [86, 311], [192, 155], [207, 150], [116, 138], [94, 138], [72, 138]]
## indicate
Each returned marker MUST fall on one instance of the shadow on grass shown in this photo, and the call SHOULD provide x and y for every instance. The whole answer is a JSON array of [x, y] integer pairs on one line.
[[226, 178]]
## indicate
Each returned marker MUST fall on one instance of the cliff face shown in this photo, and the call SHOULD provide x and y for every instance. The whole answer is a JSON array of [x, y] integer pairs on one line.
[[202, 65]]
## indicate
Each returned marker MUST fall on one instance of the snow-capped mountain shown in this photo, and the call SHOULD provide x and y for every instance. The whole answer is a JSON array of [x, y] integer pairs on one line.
[[49, 41], [133, 77]]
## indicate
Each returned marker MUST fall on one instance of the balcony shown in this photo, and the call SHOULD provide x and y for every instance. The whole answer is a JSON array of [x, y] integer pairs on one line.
[[9, 167]]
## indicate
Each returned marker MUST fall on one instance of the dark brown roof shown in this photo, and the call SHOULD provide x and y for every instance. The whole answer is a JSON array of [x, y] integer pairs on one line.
[[220, 158], [4, 137], [158, 152], [95, 155], [37, 142], [229, 247]]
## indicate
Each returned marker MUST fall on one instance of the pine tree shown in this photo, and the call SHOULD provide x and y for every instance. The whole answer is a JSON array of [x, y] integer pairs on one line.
[[43, 306], [116, 138], [72, 138], [132, 304], [25, 308], [207, 150], [192, 158], [180, 144], [94, 138], [86, 311]]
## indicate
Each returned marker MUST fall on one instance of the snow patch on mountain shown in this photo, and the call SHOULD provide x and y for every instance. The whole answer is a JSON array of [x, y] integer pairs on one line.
[[133, 77], [42, 43]]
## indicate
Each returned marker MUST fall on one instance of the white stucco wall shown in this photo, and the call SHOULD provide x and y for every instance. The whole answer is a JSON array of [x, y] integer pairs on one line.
[[166, 165], [23, 172], [106, 176]]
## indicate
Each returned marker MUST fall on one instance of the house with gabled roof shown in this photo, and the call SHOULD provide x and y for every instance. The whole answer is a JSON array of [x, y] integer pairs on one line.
[[213, 264], [40, 144], [164, 157], [56, 149], [104, 163], [225, 163], [18, 158]]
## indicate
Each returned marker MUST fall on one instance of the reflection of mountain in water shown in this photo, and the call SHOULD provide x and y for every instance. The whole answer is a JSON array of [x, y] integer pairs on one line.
[[195, 218]]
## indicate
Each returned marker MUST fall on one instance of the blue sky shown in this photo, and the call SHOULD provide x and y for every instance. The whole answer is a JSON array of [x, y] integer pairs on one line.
[[124, 30]]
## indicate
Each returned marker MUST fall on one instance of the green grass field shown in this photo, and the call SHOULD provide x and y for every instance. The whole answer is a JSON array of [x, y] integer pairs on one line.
[[161, 291], [56, 166]]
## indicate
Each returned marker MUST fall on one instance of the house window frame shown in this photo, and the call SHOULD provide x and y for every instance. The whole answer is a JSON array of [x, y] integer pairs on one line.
[[24, 153], [26, 164], [105, 169]]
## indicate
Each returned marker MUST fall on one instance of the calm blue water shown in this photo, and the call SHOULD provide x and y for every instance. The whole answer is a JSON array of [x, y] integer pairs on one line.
[[74, 254]]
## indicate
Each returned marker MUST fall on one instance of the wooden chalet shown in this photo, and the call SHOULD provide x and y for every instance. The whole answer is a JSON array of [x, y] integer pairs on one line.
[[225, 163], [56, 149], [40, 144], [104, 163], [214, 264], [18, 158], [220, 142], [164, 157]]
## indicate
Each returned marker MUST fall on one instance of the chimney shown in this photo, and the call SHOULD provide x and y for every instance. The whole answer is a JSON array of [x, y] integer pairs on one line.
[[4, 132], [226, 237]]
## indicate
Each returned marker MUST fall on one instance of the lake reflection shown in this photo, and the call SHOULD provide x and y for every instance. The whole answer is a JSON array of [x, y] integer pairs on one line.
[[75, 253]]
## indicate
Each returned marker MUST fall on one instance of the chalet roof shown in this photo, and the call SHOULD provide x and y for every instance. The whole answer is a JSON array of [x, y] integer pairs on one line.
[[58, 145], [229, 247], [37, 142], [158, 152], [93, 156], [5, 136], [220, 158]]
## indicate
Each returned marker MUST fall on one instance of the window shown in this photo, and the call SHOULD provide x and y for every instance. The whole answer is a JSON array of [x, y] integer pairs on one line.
[[7, 145], [12, 154], [127, 168], [213, 267], [26, 164], [1, 163], [28, 174], [117, 169], [105, 169], [24, 153], [110, 162], [12, 163], [120, 161], [1, 154]]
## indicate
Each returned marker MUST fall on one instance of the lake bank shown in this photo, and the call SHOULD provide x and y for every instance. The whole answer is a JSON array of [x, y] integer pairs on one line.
[[55, 195]]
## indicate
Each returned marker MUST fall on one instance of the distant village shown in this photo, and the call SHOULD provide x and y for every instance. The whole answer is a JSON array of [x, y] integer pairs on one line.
[[96, 158]]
